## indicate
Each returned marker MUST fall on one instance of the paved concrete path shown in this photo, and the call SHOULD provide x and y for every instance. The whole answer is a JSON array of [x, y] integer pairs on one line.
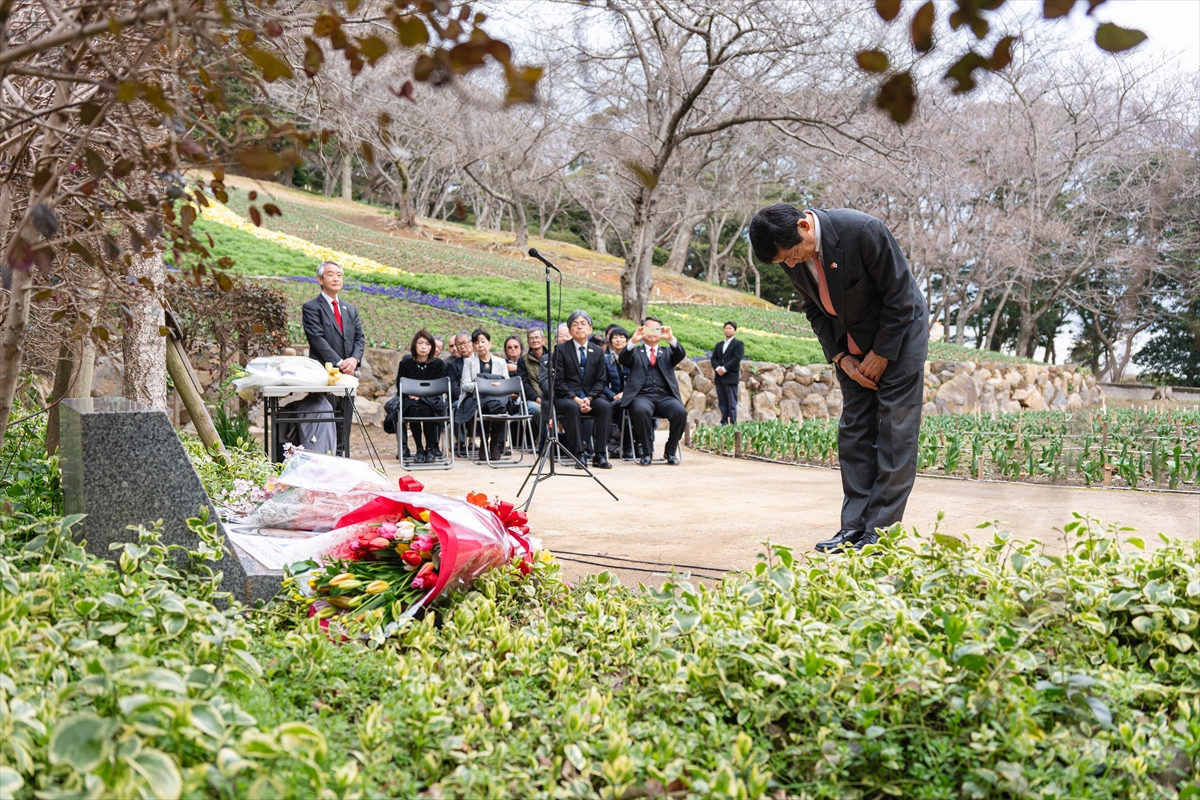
[[713, 511]]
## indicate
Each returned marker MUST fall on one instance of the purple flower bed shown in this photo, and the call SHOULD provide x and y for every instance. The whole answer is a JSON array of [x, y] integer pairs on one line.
[[468, 308]]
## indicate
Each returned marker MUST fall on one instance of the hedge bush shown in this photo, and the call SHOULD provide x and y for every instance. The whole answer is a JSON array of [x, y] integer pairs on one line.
[[925, 667]]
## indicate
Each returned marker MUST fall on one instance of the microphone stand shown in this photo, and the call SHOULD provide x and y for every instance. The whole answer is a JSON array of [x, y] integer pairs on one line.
[[545, 468]]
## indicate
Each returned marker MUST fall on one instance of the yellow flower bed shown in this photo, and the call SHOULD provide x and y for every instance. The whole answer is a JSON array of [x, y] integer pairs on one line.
[[218, 212]]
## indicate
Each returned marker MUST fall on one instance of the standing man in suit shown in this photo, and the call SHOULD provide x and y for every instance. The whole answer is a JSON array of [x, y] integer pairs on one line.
[[334, 331], [651, 389], [871, 320], [581, 376], [727, 364]]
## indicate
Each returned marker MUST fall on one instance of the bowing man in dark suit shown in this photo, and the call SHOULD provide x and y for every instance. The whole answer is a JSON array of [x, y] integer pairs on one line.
[[581, 376], [727, 368], [871, 320], [333, 329], [651, 389]]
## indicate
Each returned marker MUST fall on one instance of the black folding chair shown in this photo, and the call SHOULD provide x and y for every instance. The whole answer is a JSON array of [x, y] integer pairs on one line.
[[439, 387], [502, 389]]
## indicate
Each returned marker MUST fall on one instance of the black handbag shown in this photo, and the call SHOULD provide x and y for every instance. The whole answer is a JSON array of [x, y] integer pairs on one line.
[[392, 410]]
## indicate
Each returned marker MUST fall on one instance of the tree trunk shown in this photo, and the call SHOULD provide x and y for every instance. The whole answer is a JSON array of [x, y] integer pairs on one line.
[[636, 278], [519, 222], [995, 321], [347, 174], [600, 237], [12, 342], [62, 385], [682, 243], [713, 273], [144, 346]]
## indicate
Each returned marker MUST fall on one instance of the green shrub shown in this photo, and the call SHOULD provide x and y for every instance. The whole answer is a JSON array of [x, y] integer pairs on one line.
[[123, 680], [31, 480], [931, 668]]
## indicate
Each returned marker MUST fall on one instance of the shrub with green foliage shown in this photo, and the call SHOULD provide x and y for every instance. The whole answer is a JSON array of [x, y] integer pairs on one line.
[[926, 667], [31, 481]]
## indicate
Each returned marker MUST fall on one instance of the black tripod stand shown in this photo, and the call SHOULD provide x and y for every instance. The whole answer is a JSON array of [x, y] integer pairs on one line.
[[545, 468]]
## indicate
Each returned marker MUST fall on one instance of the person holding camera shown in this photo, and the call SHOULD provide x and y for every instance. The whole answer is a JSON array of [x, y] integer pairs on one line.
[[651, 389]]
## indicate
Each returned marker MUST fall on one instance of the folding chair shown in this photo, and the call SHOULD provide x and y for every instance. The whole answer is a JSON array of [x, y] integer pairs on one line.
[[440, 387], [502, 389], [627, 430]]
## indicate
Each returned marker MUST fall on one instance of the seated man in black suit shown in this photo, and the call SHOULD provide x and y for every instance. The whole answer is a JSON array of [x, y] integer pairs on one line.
[[651, 389], [581, 376], [334, 331]]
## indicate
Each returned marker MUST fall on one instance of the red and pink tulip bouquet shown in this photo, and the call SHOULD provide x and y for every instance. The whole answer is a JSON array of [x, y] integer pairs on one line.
[[401, 550]]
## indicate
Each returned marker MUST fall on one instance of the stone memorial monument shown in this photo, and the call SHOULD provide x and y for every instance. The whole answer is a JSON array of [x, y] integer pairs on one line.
[[123, 464]]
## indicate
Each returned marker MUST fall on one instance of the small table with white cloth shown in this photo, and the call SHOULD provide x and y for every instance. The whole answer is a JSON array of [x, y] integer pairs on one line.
[[274, 416]]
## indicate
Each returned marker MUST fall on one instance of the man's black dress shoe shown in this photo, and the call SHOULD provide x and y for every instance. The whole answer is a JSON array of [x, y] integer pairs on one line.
[[627, 454], [839, 542], [600, 462], [644, 461], [870, 537], [673, 460]]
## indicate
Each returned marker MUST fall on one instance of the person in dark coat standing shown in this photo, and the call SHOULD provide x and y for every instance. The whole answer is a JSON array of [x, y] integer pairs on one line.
[[727, 368], [651, 389], [581, 376], [333, 329], [872, 322]]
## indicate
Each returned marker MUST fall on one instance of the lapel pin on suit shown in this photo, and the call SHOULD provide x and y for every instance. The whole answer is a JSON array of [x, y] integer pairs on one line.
[[833, 265]]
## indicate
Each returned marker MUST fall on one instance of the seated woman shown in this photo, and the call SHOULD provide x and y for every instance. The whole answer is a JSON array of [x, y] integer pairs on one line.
[[423, 366], [482, 363]]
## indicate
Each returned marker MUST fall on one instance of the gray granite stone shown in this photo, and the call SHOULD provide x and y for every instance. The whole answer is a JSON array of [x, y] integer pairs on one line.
[[123, 464]]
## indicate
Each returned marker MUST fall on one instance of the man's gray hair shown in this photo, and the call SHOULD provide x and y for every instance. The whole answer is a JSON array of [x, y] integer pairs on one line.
[[578, 313], [461, 334], [323, 265], [532, 331], [562, 326]]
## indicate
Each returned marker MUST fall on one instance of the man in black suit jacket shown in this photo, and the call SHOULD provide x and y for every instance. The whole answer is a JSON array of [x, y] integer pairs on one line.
[[727, 372], [581, 376], [335, 334], [334, 331], [651, 389], [871, 320]]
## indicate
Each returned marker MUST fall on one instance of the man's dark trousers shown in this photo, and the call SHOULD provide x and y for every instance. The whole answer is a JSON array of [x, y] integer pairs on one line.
[[651, 405], [571, 419], [727, 399], [878, 434]]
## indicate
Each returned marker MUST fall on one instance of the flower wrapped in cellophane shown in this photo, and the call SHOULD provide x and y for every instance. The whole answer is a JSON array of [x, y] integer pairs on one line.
[[399, 551]]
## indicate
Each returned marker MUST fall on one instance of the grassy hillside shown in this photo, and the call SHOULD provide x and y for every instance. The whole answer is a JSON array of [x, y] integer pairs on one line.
[[447, 272]]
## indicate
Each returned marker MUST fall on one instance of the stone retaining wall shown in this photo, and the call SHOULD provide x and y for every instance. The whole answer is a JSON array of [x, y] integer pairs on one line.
[[800, 391]]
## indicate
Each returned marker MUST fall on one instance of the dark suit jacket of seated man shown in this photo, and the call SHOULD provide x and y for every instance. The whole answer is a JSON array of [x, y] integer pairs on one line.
[[579, 390], [330, 340], [651, 389], [870, 317]]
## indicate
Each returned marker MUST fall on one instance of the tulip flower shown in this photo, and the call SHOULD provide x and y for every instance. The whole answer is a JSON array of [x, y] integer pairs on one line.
[[424, 543], [379, 543], [411, 557], [375, 587], [387, 527]]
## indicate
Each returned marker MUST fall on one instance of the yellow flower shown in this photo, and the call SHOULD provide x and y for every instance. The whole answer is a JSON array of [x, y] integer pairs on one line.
[[424, 516], [219, 213], [375, 587]]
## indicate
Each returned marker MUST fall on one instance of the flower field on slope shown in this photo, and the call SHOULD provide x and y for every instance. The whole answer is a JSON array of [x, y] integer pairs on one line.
[[1143, 448]]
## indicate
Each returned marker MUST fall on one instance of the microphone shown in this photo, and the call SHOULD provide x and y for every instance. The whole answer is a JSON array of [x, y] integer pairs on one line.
[[535, 254]]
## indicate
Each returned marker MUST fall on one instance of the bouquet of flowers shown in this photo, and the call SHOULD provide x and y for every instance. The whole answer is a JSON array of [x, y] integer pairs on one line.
[[395, 554], [315, 490]]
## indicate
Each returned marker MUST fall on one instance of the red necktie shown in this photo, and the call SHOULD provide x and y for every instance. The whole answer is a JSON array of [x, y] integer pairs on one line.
[[823, 287], [653, 351], [337, 314]]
